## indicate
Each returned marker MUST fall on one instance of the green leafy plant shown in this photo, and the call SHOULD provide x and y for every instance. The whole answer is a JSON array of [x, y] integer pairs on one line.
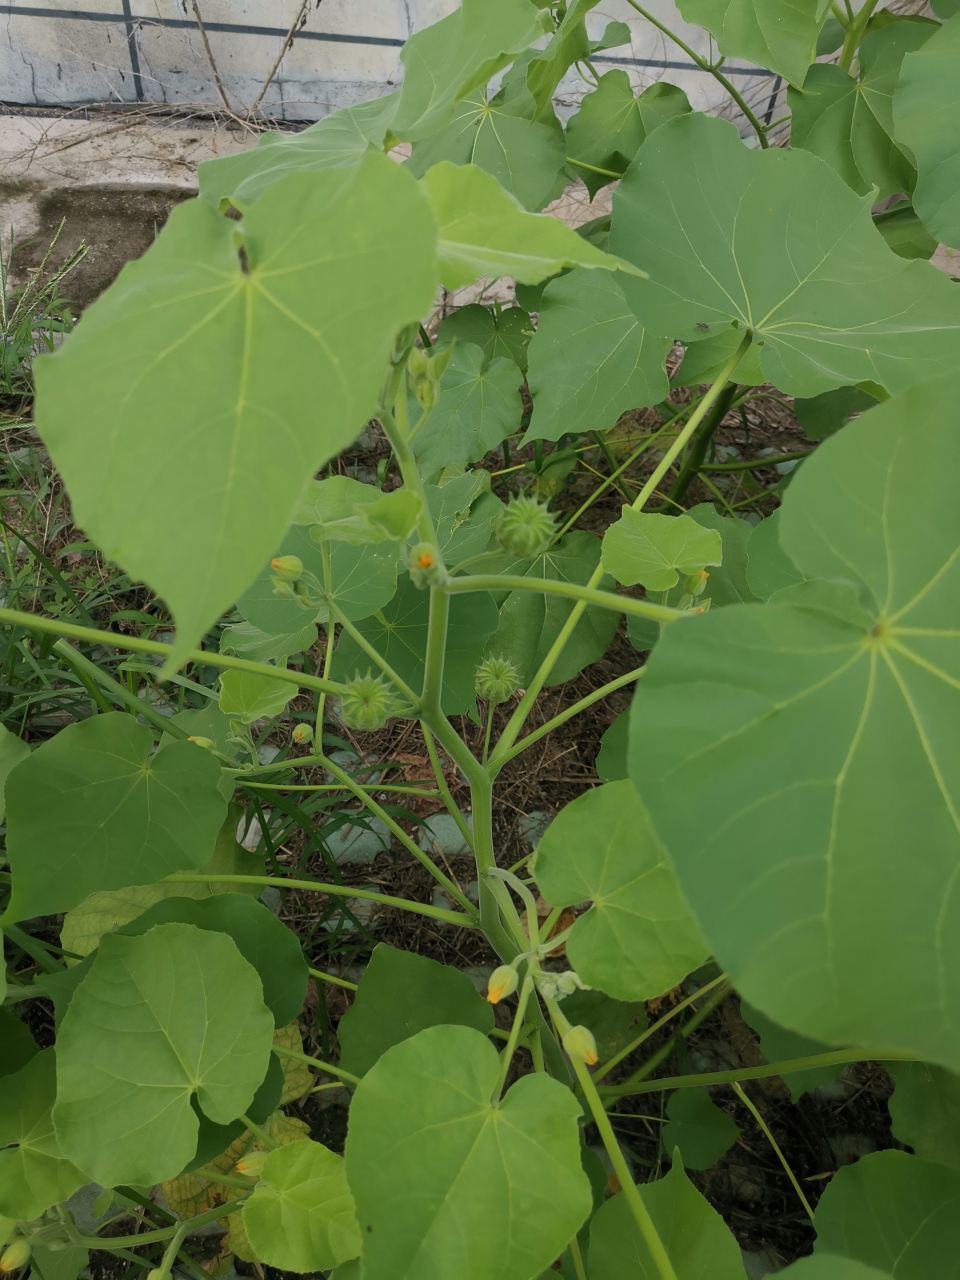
[[776, 816]]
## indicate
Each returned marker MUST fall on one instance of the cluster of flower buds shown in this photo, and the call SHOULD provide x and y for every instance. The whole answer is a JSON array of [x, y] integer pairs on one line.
[[525, 527], [554, 986], [292, 582], [367, 703], [426, 567], [496, 680], [425, 372], [503, 982], [693, 587]]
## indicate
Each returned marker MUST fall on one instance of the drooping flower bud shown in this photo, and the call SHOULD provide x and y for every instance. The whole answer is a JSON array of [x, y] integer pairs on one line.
[[525, 527], [206, 743], [15, 1256], [252, 1163], [425, 567], [496, 680], [503, 982], [289, 568], [581, 1046], [366, 703], [302, 733], [696, 583]]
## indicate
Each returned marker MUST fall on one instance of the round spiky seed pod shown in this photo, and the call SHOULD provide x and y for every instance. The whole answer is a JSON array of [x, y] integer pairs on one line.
[[526, 527], [496, 680], [366, 703]]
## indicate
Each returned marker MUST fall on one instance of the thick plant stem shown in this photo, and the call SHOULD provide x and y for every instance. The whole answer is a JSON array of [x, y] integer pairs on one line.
[[515, 724], [452, 807], [652, 1030], [113, 640], [855, 30], [506, 1054], [343, 890], [620, 1167], [316, 1063], [779, 1154], [704, 65], [700, 443], [162, 1233], [570, 590]]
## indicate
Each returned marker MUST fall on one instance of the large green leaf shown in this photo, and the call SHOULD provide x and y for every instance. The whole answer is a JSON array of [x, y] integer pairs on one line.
[[698, 1128], [463, 511], [776, 242], [611, 125], [12, 751], [158, 1018], [478, 406], [399, 634], [485, 232], [93, 809], [301, 1215], [654, 550], [257, 365], [639, 938], [828, 719], [569, 44], [926, 110], [34, 1173], [590, 359], [694, 1235], [529, 622], [778, 34], [338, 141], [400, 994], [824, 1266], [263, 941], [248, 696], [895, 1212], [448, 1183], [451, 58], [925, 1111], [501, 138], [849, 123]]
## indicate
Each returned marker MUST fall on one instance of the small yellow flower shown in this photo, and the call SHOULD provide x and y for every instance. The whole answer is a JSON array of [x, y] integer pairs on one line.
[[503, 982]]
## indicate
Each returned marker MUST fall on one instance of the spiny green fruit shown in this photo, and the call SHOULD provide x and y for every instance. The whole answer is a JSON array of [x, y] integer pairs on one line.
[[366, 703], [526, 527], [496, 680]]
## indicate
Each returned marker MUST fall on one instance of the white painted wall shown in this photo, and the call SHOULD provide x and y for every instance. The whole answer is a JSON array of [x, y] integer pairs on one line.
[[71, 53]]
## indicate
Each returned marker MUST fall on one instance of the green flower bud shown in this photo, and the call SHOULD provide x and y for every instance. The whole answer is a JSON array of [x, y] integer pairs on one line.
[[426, 569], [202, 742], [366, 703], [503, 982], [15, 1256], [581, 1046], [525, 527], [284, 589], [496, 680], [696, 583], [302, 733], [289, 568], [252, 1163]]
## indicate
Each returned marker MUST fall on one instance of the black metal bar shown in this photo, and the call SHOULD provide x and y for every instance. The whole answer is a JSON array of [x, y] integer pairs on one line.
[[132, 47]]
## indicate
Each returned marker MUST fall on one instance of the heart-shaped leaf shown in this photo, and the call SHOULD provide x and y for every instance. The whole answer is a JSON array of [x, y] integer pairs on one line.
[[192, 1021], [925, 1111], [639, 938], [450, 1183], [776, 242], [93, 809], [301, 1216], [227, 342], [778, 34], [590, 359], [34, 1173], [698, 1128], [789, 754], [654, 550], [479, 405], [926, 110]]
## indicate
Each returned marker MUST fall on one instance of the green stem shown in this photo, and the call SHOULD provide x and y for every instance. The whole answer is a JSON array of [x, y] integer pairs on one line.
[[855, 30], [34, 949], [592, 168], [650, 1031], [757, 462], [570, 712], [683, 1033], [162, 1233], [119, 691], [700, 443], [452, 807], [611, 463], [570, 590], [328, 977], [515, 724], [706, 66], [316, 1064], [372, 653], [641, 1215], [343, 890], [335, 786], [410, 845], [832, 1059], [436, 651], [506, 1055], [112, 639], [577, 1259], [773, 1142]]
